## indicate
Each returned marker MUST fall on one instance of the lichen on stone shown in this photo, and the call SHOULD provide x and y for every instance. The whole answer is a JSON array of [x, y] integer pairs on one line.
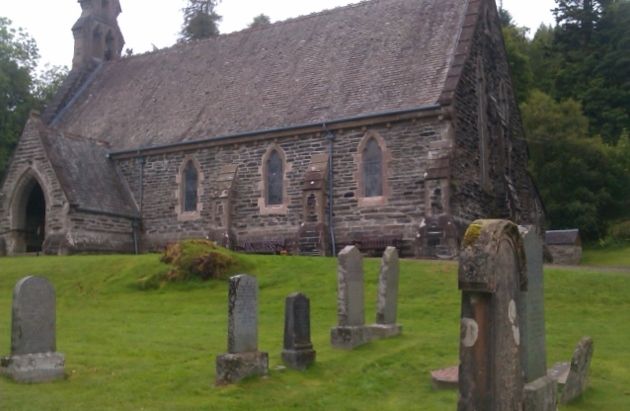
[[472, 234]]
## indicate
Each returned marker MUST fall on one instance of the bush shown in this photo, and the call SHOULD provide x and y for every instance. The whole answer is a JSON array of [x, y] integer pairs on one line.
[[194, 260], [620, 232]]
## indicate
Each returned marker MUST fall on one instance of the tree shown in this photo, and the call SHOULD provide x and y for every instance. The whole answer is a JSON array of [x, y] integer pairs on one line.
[[46, 85], [200, 20], [261, 20], [18, 59], [516, 47], [582, 181]]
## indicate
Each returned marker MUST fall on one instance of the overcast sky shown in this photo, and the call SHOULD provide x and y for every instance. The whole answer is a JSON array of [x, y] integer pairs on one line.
[[146, 23]]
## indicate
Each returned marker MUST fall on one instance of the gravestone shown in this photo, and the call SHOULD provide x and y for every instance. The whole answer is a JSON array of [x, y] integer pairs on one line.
[[298, 350], [243, 358], [351, 330], [33, 340], [491, 276], [573, 378], [387, 298], [532, 309], [540, 391]]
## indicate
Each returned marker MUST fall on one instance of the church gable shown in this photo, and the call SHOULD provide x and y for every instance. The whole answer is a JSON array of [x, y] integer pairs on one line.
[[372, 57], [33, 203]]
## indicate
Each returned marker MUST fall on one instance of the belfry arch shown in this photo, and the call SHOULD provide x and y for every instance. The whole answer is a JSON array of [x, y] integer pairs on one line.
[[28, 215]]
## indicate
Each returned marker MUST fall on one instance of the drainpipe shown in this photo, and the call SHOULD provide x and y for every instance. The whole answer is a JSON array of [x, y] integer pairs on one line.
[[331, 225], [142, 161], [134, 228], [136, 222]]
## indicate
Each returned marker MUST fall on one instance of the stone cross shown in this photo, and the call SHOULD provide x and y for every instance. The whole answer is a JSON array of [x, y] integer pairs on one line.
[[532, 308], [387, 297], [491, 276], [243, 358], [298, 350], [351, 330], [33, 339]]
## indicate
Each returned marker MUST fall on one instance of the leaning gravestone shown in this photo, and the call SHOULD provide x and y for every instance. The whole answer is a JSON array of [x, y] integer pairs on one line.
[[33, 341], [491, 276], [387, 298], [243, 358], [298, 350], [573, 377], [540, 391], [351, 330]]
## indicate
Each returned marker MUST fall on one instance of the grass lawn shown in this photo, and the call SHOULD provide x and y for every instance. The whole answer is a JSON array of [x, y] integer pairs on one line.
[[618, 256], [128, 349]]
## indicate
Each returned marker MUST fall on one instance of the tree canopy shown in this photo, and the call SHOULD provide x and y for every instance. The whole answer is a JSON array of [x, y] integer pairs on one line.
[[200, 20], [577, 129]]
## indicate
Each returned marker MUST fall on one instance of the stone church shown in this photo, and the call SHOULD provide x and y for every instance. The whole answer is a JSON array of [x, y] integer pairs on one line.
[[387, 122]]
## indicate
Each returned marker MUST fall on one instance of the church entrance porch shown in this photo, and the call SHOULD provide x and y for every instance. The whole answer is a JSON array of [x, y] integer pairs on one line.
[[29, 218]]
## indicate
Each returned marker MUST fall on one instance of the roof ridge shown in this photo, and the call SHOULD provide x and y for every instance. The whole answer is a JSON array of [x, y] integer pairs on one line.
[[187, 44]]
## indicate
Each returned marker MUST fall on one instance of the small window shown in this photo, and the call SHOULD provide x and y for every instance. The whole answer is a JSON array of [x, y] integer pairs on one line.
[[275, 177], [372, 169], [191, 182]]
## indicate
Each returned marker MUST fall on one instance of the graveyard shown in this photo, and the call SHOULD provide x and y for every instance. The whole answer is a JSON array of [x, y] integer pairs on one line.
[[127, 348]]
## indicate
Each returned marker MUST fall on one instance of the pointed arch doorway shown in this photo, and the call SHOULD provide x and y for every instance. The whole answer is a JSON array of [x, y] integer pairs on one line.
[[29, 217]]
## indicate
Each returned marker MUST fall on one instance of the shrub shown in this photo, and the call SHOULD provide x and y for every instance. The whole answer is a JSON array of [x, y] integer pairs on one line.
[[194, 260], [620, 232]]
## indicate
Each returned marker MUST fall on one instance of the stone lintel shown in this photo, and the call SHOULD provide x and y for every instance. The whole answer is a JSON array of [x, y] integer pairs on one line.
[[34, 368], [232, 368]]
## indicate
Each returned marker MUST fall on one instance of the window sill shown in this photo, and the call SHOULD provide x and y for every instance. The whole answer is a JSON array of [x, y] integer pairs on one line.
[[372, 201]]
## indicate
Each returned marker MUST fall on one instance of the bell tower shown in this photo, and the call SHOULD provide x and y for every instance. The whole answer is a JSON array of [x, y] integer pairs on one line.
[[96, 33]]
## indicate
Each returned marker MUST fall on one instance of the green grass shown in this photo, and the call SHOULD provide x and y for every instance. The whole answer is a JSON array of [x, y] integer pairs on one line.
[[618, 256], [128, 349]]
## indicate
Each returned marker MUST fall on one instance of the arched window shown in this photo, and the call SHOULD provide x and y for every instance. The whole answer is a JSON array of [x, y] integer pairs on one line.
[[275, 177], [372, 169], [191, 183]]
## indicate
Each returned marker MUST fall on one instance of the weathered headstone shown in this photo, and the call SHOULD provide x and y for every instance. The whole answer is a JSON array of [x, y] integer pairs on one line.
[[351, 330], [491, 276], [387, 298], [540, 391], [298, 350], [574, 380], [33, 340], [532, 309], [243, 358]]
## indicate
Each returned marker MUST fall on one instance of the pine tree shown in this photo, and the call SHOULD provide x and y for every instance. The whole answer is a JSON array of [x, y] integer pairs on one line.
[[200, 20]]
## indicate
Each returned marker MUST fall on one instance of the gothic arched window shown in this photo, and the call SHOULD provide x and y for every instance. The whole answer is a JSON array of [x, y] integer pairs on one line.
[[275, 177], [372, 169], [191, 183]]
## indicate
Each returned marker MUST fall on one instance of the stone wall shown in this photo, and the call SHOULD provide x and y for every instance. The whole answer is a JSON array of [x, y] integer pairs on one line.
[[487, 123], [395, 218], [89, 232], [566, 254]]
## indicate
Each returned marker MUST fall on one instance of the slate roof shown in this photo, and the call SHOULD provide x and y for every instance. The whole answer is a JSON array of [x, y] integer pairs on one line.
[[90, 180], [372, 57], [563, 237]]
